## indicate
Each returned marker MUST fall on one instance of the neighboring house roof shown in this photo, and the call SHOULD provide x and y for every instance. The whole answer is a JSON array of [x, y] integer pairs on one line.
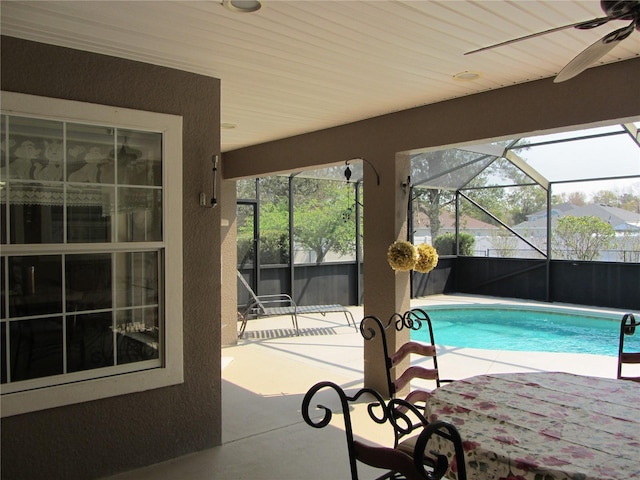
[[619, 218], [448, 220], [555, 210]]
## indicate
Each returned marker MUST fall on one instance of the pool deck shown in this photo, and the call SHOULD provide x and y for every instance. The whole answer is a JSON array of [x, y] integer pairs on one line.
[[267, 374]]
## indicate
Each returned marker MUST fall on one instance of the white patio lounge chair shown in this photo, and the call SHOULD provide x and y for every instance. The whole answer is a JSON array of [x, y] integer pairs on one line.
[[283, 304]]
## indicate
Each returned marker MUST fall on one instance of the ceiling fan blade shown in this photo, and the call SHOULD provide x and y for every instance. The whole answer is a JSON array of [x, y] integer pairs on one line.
[[593, 53], [596, 22]]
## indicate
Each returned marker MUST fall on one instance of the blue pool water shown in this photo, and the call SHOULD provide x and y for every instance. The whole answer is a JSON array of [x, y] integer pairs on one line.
[[526, 330]]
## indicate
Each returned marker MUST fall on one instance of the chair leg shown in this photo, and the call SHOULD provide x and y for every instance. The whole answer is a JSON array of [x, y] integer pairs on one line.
[[243, 325], [350, 320], [294, 320]]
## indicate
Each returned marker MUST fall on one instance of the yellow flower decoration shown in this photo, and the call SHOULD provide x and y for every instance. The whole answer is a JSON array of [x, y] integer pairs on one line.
[[402, 256], [427, 258]]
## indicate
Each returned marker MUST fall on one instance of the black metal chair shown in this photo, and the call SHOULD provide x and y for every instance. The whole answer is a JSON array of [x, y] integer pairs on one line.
[[627, 329], [372, 327], [421, 464]]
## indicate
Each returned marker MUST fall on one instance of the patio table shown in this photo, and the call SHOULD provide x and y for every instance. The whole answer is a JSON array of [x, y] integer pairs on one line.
[[543, 426]]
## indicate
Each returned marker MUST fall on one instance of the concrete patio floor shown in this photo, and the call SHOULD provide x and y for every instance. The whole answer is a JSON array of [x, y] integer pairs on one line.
[[267, 374]]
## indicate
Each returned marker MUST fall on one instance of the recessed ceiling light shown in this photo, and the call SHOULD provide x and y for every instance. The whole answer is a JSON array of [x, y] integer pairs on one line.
[[242, 6], [467, 76], [228, 126]]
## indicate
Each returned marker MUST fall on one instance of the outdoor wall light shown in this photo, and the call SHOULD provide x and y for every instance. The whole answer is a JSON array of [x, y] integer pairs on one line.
[[203, 196], [347, 172]]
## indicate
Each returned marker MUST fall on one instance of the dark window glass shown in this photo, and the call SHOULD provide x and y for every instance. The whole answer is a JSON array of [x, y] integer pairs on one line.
[[35, 285], [35, 222], [89, 341], [137, 335], [140, 215], [139, 157], [36, 348], [89, 224], [2, 289], [3, 352], [88, 282], [136, 279]]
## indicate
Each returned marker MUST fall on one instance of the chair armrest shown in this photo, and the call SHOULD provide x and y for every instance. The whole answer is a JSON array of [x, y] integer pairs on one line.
[[412, 347], [415, 372], [264, 301], [277, 298]]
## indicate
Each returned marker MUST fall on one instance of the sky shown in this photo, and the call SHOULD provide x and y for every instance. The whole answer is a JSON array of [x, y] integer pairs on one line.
[[602, 157]]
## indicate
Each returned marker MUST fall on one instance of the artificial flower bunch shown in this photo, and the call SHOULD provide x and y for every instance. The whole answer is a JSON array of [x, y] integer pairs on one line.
[[427, 258], [404, 256]]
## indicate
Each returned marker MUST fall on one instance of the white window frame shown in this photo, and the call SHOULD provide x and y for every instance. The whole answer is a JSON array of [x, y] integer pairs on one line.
[[171, 371]]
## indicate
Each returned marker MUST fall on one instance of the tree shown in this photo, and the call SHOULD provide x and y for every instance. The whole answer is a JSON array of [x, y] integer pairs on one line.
[[606, 197], [442, 173], [322, 218], [577, 198], [479, 176], [582, 238], [322, 222]]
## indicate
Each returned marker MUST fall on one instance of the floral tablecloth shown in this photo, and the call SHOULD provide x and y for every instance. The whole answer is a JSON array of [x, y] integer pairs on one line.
[[542, 426]]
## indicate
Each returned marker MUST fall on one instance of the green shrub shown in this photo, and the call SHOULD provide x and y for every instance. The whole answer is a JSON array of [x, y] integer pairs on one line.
[[446, 244]]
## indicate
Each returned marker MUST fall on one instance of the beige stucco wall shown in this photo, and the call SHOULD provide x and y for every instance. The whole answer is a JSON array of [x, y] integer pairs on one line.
[[98, 438]]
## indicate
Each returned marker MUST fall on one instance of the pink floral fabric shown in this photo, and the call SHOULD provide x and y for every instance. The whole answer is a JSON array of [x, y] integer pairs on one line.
[[542, 426]]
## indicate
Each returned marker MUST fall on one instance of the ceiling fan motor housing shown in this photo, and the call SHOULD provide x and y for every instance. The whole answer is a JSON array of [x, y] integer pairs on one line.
[[621, 9]]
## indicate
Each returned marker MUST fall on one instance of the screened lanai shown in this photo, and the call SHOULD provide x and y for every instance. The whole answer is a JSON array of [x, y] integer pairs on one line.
[[517, 212], [511, 194]]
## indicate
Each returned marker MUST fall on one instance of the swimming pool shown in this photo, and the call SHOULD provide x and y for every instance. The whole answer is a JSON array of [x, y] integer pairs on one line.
[[510, 328]]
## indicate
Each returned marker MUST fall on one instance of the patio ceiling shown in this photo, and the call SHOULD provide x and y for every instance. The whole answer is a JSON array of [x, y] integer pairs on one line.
[[299, 66]]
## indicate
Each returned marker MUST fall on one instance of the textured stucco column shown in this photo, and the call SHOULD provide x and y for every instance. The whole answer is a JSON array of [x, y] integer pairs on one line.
[[385, 291], [228, 254]]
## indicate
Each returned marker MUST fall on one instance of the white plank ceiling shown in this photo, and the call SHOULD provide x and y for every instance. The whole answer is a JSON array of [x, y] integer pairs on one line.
[[303, 65]]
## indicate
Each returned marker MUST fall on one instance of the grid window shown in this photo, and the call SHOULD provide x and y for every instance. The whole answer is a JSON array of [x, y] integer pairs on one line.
[[84, 251]]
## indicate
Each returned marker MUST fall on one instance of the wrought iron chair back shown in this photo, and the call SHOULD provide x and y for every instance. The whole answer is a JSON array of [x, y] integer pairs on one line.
[[423, 464], [627, 329], [371, 327]]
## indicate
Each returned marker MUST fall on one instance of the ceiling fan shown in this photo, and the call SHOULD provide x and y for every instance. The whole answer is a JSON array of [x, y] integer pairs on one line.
[[614, 10]]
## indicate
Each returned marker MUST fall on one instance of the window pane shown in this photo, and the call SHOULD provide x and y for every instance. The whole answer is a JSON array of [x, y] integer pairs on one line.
[[2, 289], [35, 213], [3, 213], [140, 215], [36, 348], [89, 214], [137, 335], [90, 154], [139, 158], [88, 282], [3, 353], [136, 279], [35, 149], [73, 195], [35, 285], [4, 151], [3, 173], [89, 341]]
